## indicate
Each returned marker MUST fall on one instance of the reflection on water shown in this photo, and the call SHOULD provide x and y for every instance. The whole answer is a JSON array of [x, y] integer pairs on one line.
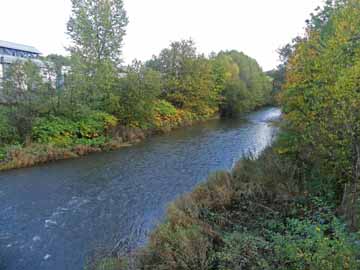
[[54, 216]]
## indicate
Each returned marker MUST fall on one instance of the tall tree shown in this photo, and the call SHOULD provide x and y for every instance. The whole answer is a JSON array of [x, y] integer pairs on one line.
[[321, 100], [97, 29]]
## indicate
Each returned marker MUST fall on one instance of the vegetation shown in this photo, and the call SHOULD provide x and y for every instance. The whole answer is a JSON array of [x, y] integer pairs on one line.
[[98, 103], [252, 218], [298, 205], [321, 102]]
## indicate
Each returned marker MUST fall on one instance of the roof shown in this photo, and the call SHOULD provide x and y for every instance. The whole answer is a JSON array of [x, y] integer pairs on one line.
[[9, 59], [20, 47]]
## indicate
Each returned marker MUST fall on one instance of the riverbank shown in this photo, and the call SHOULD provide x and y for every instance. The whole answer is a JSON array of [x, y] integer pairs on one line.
[[86, 206], [116, 137], [254, 217]]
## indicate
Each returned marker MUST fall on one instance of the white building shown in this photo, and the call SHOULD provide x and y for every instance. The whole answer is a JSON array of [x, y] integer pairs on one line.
[[12, 52]]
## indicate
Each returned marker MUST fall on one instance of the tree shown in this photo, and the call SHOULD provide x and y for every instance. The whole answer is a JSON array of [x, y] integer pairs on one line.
[[26, 96], [245, 84], [321, 100], [136, 95], [97, 29], [187, 78]]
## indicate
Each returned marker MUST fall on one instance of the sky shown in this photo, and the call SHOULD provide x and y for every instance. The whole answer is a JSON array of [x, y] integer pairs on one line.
[[255, 27]]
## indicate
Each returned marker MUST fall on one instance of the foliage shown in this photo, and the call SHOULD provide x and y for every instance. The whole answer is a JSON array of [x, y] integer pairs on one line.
[[321, 100], [64, 132], [315, 246], [25, 95], [243, 251], [236, 98], [97, 29], [244, 85], [187, 78], [8, 134], [165, 109], [138, 93]]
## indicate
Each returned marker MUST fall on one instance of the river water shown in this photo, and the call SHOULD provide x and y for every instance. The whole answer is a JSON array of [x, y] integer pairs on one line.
[[56, 216]]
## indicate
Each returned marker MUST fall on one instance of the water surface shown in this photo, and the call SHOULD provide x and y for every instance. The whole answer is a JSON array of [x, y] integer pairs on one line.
[[53, 217]]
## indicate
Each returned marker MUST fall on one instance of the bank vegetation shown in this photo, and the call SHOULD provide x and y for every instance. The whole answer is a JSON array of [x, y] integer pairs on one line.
[[102, 105]]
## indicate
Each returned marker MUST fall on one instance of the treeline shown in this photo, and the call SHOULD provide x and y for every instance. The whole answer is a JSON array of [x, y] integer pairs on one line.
[[297, 206], [98, 94], [321, 102]]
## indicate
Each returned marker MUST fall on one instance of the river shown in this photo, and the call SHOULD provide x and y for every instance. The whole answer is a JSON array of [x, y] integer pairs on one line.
[[54, 217]]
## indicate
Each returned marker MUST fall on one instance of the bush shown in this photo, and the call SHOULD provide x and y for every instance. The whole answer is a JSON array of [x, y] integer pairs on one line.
[[95, 125], [164, 109], [306, 245], [244, 251], [176, 246], [90, 130], [8, 133], [54, 130]]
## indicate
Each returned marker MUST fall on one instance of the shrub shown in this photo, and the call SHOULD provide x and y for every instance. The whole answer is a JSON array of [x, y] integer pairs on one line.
[[164, 108], [96, 124], [244, 251], [90, 130], [314, 246], [178, 247], [8, 133], [54, 130]]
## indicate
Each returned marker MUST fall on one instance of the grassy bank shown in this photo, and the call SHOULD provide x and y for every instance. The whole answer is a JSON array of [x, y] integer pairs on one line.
[[59, 139], [255, 217]]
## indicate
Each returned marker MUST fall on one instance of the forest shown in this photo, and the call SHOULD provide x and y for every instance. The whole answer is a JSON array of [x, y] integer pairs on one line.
[[100, 104], [297, 206]]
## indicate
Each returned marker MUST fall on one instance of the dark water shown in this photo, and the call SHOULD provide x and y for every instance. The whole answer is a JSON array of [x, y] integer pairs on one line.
[[53, 217]]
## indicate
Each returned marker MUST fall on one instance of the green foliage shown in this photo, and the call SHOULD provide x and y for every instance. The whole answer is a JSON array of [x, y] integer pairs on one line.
[[236, 99], [188, 81], [97, 29], [26, 96], [244, 251], [165, 109], [138, 93], [8, 134], [321, 100], [54, 130], [314, 246], [242, 83], [91, 130]]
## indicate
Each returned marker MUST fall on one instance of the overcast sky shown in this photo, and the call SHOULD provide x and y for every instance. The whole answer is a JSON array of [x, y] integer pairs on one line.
[[256, 27]]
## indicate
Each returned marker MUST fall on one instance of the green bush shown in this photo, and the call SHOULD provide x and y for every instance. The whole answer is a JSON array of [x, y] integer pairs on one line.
[[164, 108], [54, 130], [95, 125], [306, 245], [90, 130], [244, 251], [3, 154], [8, 133]]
